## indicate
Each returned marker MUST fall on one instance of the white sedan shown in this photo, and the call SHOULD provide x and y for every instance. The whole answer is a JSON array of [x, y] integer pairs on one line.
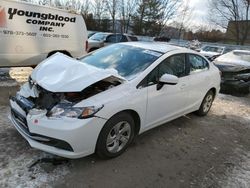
[[100, 102]]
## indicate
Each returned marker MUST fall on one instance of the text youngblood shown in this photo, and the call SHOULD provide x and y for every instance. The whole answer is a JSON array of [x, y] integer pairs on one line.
[[42, 16]]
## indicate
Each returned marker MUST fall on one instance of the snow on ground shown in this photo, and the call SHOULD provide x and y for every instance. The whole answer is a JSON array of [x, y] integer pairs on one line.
[[233, 106], [239, 175], [16, 156], [13, 75], [20, 74], [17, 174]]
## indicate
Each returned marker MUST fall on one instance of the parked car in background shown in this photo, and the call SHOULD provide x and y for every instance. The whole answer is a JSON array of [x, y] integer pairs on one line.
[[30, 33], [100, 102], [90, 33], [96, 41], [211, 51], [161, 39], [100, 39], [235, 68]]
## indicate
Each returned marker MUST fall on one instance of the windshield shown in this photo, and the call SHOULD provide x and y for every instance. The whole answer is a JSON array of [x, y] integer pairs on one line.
[[127, 60], [99, 36], [212, 49]]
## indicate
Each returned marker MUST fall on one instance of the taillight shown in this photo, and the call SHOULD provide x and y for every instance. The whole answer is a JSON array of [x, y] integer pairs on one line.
[[86, 46]]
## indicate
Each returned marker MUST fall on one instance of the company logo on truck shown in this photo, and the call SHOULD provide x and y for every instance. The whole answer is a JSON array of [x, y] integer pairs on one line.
[[45, 21], [2, 17]]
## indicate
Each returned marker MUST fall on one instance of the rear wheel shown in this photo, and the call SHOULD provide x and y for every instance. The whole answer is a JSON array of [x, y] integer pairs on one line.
[[115, 136], [206, 104]]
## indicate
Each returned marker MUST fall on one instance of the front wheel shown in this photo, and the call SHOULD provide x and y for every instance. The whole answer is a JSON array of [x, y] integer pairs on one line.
[[115, 136], [206, 104]]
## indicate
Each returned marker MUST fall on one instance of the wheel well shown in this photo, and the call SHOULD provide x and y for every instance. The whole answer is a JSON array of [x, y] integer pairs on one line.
[[61, 51], [93, 49], [136, 118], [213, 90]]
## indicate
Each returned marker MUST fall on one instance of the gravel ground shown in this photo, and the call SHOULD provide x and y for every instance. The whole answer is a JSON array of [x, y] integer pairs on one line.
[[211, 151]]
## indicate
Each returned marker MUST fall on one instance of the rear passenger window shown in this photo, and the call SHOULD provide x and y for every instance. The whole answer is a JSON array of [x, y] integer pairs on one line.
[[124, 39], [114, 38], [197, 63], [132, 38]]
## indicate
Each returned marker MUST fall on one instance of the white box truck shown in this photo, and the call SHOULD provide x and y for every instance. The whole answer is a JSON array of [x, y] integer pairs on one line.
[[29, 33]]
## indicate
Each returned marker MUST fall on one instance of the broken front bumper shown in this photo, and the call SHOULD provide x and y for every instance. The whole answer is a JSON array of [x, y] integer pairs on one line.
[[66, 137]]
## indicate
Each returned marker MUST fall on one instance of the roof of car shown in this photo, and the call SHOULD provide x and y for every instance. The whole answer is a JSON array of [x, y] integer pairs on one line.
[[156, 46], [214, 46], [243, 52]]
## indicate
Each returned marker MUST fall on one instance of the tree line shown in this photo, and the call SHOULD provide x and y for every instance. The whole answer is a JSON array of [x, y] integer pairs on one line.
[[154, 17], [142, 17]]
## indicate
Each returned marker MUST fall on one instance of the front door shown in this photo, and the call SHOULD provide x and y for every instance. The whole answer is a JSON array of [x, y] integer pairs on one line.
[[171, 100]]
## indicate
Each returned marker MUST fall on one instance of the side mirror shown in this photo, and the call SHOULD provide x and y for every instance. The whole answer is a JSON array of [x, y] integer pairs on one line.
[[167, 79]]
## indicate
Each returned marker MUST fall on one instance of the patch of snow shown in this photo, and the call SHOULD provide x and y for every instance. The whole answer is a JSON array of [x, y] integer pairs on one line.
[[16, 156], [239, 176], [16, 173]]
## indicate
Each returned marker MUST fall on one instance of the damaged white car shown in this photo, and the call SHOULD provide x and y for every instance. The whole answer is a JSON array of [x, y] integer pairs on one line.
[[100, 102]]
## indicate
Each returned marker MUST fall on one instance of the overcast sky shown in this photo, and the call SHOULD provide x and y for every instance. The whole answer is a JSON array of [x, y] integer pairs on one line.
[[200, 11]]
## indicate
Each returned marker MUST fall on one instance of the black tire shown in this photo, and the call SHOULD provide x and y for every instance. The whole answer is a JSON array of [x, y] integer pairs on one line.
[[61, 51], [103, 149], [93, 49], [206, 104]]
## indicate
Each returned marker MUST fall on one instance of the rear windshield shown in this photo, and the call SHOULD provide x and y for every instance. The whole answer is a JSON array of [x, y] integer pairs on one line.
[[212, 49], [133, 38]]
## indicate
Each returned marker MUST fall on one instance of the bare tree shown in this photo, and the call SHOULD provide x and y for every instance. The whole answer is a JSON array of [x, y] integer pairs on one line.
[[170, 8], [112, 7], [98, 9], [85, 7], [45, 2], [152, 16], [234, 12], [184, 17], [127, 10]]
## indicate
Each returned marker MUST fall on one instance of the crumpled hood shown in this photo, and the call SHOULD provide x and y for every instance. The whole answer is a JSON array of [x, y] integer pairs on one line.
[[60, 73], [232, 62], [225, 67]]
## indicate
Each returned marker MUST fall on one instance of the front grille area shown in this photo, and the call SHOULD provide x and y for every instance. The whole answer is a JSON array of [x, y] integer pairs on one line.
[[20, 119]]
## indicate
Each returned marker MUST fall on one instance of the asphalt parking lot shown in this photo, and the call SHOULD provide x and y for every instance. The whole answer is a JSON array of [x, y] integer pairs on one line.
[[192, 151]]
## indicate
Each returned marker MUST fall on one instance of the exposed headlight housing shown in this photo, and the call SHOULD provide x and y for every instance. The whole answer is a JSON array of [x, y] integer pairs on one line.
[[67, 110]]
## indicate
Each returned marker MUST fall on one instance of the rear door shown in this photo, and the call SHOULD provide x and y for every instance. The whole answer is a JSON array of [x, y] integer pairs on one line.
[[199, 76]]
